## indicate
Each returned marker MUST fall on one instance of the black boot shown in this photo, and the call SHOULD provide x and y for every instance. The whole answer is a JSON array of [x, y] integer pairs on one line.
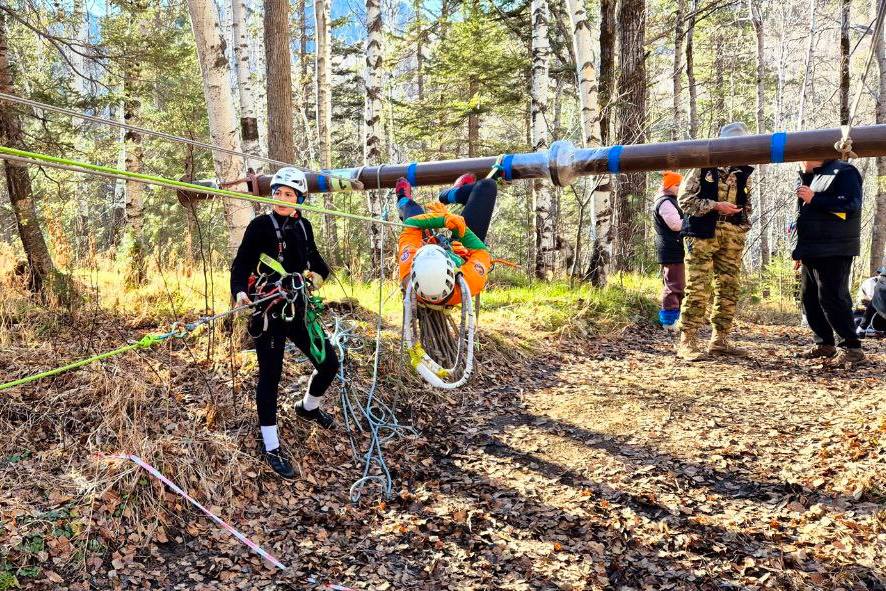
[[279, 462], [324, 419]]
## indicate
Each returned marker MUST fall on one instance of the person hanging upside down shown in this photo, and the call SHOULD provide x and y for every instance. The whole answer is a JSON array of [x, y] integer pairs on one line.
[[423, 261], [283, 240]]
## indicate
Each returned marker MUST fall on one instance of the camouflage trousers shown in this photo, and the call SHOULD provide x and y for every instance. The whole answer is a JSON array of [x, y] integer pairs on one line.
[[713, 268]]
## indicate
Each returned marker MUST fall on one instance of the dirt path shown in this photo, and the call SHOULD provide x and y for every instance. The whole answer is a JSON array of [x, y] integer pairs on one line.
[[613, 467], [603, 464]]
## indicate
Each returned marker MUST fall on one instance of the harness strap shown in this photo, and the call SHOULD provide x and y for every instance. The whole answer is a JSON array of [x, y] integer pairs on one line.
[[279, 231], [273, 264]]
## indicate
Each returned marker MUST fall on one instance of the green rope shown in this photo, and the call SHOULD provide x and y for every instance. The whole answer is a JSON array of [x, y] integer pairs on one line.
[[170, 183], [146, 342], [313, 309]]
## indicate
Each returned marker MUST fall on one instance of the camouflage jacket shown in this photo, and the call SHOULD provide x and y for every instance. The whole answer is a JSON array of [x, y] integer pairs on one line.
[[693, 203]]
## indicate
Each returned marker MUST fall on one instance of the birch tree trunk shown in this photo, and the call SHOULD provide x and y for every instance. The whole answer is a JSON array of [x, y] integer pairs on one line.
[[807, 75], [631, 128], [281, 132], [118, 203], [677, 72], [248, 119], [762, 203], [586, 77], [878, 238], [372, 120], [690, 71], [220, 106], [541, 189], [44, 278], [323, 77], [133, 192]]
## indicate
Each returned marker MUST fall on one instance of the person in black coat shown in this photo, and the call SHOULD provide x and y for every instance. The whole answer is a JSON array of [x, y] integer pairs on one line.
[[829, 198], [283, 240]]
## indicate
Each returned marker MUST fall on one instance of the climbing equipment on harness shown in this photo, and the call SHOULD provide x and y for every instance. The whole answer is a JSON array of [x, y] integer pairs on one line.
[[422, 322]]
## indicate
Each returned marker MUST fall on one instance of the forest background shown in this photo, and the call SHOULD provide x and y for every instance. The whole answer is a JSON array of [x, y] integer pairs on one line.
[[346, 84]]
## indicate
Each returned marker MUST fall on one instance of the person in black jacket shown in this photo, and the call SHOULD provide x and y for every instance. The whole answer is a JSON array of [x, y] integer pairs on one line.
[[829, 196], [668, 222], [283, 240]]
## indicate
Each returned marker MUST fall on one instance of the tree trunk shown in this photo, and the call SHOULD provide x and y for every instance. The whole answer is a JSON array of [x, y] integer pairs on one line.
[[220, 107], [473, 122], [590, 131], [878, 238], [323, 78], [542, 193], [762, 203], [44, 278], [719, 109], [807, 75], [631, 128], [607, 67], [281, 132], [844, 61], [585, 74], [690, 72], [248, 120], [133, 193], [372, 148], [677, 72], [118, 204], [417, 7]]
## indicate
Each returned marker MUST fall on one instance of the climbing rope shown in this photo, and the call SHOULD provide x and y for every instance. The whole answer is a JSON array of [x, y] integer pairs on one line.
[[159, 134], [177, 330], [38, 159], [431, 331]]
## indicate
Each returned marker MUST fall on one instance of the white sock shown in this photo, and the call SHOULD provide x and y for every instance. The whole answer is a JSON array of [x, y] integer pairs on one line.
[[311, 402], [269, 435]]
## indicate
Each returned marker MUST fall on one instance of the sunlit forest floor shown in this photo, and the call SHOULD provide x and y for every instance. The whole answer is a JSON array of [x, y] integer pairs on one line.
[[581, 455]]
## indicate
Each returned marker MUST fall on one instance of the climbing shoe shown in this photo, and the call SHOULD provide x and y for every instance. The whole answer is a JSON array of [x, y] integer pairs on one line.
[[403, 189], [721, 346], [279, 462], [324, 419], [688, 348], [847, 357], [818, 352]]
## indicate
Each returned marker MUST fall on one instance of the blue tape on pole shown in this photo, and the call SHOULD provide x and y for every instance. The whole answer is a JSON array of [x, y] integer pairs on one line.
[[322, 183], [506, 164], [613, 158], [776, 150], [410, 173]]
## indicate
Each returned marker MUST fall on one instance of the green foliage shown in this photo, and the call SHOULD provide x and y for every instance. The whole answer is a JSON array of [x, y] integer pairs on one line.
[[477, 68]]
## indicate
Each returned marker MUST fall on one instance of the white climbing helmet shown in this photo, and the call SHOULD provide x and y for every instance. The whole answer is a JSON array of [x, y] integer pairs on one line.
[[290, 177], [433, 274]]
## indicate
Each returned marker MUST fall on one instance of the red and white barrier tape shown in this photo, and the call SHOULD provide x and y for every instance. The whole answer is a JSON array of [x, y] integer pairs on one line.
[[249, 543], [156, 474]]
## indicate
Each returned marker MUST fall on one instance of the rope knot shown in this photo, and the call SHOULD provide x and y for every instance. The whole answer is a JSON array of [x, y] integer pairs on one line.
[[844, 145]]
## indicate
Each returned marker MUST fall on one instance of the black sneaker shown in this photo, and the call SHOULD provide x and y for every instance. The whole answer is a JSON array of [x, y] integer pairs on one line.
[[279, 463], [324, 419]]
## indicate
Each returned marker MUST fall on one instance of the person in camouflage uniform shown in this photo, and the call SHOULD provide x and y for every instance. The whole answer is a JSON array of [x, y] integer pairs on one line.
[[717, 206]]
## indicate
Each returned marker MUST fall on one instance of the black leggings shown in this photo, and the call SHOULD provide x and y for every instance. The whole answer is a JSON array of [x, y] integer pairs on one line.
[[269, 348], [478, 199]]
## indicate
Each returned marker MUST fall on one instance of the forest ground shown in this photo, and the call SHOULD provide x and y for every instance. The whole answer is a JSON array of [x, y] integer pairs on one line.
[[585, 463]]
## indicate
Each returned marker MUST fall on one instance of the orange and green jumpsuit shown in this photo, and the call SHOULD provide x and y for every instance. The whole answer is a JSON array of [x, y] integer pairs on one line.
[[475, 266]]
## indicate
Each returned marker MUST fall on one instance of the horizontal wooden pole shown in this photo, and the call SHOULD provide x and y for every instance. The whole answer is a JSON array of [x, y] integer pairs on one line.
[[563, 163]]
